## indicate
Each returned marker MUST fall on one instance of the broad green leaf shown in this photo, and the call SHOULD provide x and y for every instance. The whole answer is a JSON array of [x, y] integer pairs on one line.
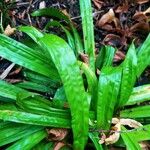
[[140, 94], [36, 87], [108, 90], [88, 30], [143, 56], [44, 145], [66, 63], [56, 13], [26, 57], [140, 134], [128, 75], [68, 34], [105, 57], [42, 106], [12, 92], [40, 79], [28, 142], [34, 119], [8, 106], [60, 100], [32, 32], [136, 112], [16, 131], [94, 136], [130, 142]]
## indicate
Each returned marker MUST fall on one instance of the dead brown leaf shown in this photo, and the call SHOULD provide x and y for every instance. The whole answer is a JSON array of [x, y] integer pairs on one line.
[[98, 3], [142, 1], [109, 17], [57, 134], [59, 145], [9, 30], [119, 56]]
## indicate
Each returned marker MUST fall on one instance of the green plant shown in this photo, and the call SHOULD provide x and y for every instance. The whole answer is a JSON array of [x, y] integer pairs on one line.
[[84, 102]]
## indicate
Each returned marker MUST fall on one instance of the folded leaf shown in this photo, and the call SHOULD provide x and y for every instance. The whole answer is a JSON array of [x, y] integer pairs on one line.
[[105, 57]]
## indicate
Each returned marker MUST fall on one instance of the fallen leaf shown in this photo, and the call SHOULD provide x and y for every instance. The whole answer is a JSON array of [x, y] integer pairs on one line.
[[57, 134], [119, 56], [115, 136], [131, 123], [59, 145], [42, 5], [108, 18], [142, 1], [9, 30], [98, 3], [142, 27]]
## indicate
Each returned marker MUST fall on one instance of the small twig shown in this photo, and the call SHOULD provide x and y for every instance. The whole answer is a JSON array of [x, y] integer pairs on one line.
[[6, 72], [95, 13], [1, 23]]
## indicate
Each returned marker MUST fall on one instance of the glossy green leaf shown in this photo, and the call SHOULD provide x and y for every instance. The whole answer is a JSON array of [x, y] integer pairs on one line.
[[16, 131], [140, 94], [8, 106], [28, 142], [108, 90], [32, 32], [36, 87], [40, 79], [10, 91], [140, 134], [56, 13], [143, 56], [26, 57], [128, 75], [68, 34], [28, 118], [44, 145], [105, 57], [136, 112], [88, 30], [130, 142], [66, 63], [41, 106], [94, 136]]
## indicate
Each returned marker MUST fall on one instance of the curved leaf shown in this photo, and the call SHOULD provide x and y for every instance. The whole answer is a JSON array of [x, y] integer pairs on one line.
[[26, 57], [53, 12], [66, 63]]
